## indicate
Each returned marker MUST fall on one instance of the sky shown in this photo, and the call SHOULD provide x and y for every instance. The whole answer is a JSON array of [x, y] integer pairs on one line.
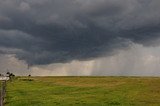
[[80, 37]]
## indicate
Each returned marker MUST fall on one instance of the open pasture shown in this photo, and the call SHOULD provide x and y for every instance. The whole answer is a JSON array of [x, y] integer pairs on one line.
[[83, 91]]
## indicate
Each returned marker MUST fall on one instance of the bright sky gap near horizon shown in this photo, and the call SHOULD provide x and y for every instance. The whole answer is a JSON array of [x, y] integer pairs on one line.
[[80, 37]]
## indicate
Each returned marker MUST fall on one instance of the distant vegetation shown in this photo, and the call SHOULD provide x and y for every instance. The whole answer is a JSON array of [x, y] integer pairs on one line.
[[10, 75], [84, 91]]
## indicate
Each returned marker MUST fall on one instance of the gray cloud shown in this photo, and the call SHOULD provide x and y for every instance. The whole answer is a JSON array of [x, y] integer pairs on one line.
[[53, 31]]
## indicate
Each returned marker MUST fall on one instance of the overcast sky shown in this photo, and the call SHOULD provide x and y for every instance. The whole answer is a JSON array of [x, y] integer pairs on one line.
[[80, 37]]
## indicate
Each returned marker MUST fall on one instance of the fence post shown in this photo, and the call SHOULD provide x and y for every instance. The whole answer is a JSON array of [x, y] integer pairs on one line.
[[1, 104], [3, 91]]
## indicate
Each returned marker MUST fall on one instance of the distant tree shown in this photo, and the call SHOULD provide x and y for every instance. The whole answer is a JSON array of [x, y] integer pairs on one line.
[[1, 75], [29, 77], [10, 75]]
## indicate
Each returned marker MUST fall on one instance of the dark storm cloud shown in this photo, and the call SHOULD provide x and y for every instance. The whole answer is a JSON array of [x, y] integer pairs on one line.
[[51, 31]]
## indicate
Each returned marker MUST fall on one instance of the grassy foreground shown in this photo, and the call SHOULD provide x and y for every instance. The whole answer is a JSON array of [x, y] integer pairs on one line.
[[84, 91]]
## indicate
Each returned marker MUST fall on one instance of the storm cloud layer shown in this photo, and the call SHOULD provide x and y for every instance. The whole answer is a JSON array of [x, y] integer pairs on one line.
[[58, 31]]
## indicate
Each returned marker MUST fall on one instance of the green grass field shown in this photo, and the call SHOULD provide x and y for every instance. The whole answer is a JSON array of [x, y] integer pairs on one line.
[[84, 91]]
